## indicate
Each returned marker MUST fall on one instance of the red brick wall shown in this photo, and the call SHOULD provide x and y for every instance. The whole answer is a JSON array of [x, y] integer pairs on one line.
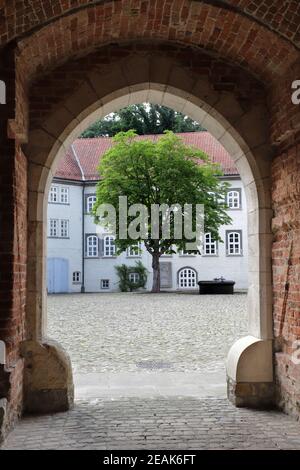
[[19, 17], [235, 38], [286, 276], [13, 251]]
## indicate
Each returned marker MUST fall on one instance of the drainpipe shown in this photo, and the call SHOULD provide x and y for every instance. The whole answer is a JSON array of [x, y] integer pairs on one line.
[[83, 241], [83, 221]]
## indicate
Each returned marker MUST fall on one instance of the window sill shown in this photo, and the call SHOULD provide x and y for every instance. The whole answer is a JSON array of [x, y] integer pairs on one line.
[[235, 256], [59, 203], [59, 238], [210, 256]]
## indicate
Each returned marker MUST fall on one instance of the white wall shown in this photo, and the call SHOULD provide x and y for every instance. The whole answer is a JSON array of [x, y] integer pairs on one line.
[[69, 248], [207, 267]]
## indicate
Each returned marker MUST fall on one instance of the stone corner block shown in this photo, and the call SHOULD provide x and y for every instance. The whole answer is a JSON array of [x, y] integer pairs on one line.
[[48, 381], [250, 373], [3, 406]]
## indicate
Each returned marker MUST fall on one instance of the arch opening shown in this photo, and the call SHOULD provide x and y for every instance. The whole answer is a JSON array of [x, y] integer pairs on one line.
[[249, 365]]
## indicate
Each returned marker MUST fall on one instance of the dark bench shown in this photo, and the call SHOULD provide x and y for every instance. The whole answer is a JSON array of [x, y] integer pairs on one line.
[[217, 286]]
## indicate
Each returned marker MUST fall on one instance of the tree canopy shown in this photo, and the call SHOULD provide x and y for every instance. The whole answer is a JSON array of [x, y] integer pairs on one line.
[[162, 171], [145, 119]]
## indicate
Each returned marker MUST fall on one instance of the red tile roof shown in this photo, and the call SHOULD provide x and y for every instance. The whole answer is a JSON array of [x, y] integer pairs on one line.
[[82, 158]]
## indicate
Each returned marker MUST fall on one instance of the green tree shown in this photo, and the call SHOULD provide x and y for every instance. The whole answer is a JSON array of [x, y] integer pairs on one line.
[[162, 172], [144, 119]]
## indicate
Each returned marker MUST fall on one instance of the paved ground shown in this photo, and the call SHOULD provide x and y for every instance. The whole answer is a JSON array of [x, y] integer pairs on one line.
[[145, 344], [150, 375], [158, 423]]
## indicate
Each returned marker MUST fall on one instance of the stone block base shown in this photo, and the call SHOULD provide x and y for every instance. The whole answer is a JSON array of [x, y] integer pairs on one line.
[[3, 404], [260, 395], [48, 381]]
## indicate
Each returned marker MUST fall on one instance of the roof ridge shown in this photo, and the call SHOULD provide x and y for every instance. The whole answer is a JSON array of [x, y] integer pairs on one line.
[[89, 150]]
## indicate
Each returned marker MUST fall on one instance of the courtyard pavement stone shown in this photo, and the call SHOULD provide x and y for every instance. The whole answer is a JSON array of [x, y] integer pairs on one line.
[[156, 423], [119, 332], [150, 374]]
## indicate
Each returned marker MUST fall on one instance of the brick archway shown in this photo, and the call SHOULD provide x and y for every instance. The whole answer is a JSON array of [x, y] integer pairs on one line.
[[240, 127], [230, 60]]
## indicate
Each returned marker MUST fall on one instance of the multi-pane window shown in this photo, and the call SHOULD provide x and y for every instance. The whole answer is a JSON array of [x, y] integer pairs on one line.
[[187, 278], [109, 246], [234, 243], [90, 201], [53, 228], [210, 245], [59, 194], [59, 228], [53, 194], [134, 250], [92, 246], [64, 195], [104, 283], [234, 199], [134, 277], [64, 228], [76, 277]]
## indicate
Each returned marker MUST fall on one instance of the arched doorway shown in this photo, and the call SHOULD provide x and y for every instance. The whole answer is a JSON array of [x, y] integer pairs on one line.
[[56, 64], [250, 360]]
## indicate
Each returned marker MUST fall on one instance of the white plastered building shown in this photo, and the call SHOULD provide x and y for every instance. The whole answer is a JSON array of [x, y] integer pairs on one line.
[[82, 260]]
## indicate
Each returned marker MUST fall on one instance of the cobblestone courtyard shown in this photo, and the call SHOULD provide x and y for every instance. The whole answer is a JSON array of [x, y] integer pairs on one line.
[[145, 344], [120, 332], [122, 344]]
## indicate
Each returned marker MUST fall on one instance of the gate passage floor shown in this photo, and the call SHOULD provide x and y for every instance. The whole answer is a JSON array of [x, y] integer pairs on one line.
[[149, 372]]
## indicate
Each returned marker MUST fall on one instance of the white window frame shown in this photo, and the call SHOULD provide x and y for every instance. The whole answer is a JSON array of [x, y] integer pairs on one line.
[[102, 284], [64, 195], [234, 243], [53, 228], [58, 194], [134, 252], [76, 277], [64, 228], [92, 246], [54, 194], [234, 199], [185, 281], [134, 277], [89, 204], [109, 247], [210, 245]]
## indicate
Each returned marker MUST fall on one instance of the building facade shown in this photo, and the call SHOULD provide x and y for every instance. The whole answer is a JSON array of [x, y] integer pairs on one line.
[[82, 256]]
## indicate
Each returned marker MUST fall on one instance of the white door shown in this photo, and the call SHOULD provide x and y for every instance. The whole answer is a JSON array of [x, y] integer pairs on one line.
[[58, 275]]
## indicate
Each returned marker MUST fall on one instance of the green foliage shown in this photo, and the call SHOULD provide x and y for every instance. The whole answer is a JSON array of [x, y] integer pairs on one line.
[[144, 119], [165, 171], [123, 271]]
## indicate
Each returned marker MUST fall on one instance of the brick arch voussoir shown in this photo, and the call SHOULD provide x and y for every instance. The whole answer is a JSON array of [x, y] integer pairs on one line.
[[21, 20], [223, 32]]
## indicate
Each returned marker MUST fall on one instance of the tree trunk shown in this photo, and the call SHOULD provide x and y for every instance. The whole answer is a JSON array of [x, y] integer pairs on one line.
[[156, 272]]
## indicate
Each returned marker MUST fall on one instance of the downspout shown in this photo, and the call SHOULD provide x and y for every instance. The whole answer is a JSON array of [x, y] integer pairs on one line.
[[82, 221], [83, 241]]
